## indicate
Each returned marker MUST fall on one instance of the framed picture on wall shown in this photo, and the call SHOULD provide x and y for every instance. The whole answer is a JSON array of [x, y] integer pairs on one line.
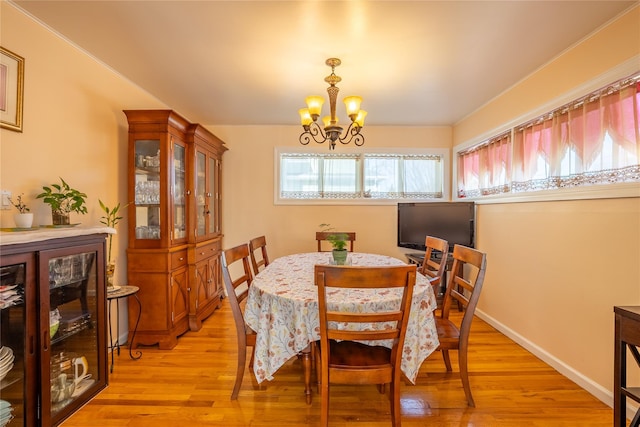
[[11, 90]]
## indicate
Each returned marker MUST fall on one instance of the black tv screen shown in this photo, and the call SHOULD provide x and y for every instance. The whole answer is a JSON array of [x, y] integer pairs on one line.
[[451, 221]]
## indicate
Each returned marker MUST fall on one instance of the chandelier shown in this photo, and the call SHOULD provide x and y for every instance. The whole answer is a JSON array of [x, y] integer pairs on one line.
[[331, 131]]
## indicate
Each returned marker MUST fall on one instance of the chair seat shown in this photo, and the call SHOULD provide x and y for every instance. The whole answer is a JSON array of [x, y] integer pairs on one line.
[[351, 353], [448, 333]]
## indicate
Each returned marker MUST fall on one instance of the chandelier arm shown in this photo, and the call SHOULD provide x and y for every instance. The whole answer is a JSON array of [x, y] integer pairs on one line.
[[312, 132], [353, 134]]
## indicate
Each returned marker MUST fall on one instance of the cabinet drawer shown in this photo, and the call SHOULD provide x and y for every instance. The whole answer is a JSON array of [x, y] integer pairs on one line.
[[178, 259], [206, 251]]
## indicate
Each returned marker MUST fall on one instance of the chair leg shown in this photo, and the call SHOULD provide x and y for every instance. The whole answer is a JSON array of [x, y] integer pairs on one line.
[[395, 404], [242, 359], [447, 360], [318, 365], [324, 406], [464, 375]]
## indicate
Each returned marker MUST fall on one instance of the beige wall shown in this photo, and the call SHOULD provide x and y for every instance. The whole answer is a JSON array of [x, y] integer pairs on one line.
[[578, 259], [73, 125], [556, 269], [248, 191]]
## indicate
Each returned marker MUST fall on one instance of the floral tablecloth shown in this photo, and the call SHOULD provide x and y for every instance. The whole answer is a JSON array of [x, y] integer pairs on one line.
[[282, 308]]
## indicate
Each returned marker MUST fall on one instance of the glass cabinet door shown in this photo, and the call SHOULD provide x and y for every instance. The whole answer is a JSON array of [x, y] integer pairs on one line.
[[73, 311], [206, 191], [147, 189], [201, 193], [16, 359], [212, 195], [179, 192]]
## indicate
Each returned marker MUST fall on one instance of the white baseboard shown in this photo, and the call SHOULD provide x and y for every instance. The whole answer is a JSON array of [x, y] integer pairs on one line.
[[601, 393]]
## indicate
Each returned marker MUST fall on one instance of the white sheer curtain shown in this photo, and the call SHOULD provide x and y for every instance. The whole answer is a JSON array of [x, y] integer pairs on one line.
[[340, 176], [595, 140], [397, 176], [486, 168]]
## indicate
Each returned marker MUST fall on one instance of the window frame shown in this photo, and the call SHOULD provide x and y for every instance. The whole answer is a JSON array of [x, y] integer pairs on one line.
[[445, 153]]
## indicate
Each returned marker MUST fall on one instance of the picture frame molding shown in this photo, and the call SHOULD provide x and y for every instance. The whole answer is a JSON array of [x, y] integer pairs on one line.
[[11, 90]]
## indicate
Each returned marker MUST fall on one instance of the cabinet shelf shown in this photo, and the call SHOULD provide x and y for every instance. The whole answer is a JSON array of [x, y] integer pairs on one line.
[[63, 335], [154, 171]]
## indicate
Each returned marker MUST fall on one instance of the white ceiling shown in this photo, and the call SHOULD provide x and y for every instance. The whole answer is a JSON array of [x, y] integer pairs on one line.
[[417, 63]]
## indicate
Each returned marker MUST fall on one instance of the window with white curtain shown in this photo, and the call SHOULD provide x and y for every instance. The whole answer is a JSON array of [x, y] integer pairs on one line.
[[360, 176], [592, 140], [485, 168]]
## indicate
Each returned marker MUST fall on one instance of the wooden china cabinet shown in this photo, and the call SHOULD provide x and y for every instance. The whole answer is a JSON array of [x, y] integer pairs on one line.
[[174, 224], [205, 153]]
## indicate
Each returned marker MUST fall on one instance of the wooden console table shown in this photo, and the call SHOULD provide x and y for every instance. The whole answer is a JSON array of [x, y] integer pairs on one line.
[[627, 334]]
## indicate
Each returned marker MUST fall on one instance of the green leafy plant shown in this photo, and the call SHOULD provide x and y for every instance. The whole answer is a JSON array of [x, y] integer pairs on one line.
[[63, 199], [110, 219], [19, 204], [338, 240]]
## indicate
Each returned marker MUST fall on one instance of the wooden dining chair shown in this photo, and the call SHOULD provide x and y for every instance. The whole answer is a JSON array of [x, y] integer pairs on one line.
[[344, 359], [464, 286], [321, 236], [246, 336], [255, 244], [435, 261]]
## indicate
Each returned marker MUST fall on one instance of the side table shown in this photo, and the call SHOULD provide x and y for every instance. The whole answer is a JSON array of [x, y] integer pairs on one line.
[[627, 334], [117, 294]]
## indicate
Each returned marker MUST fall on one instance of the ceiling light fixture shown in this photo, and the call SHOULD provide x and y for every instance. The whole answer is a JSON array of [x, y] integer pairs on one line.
[[331, 132]]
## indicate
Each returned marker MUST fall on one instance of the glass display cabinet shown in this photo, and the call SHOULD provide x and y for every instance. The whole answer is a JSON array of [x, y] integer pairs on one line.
[[17, 336], [174, 224], [205, 273], [53, 327]]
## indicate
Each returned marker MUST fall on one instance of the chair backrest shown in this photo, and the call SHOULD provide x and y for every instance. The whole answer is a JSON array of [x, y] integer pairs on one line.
[[329, 276], [255, 244], [465, 284], [433, 267], [322, 236], [238, 254]]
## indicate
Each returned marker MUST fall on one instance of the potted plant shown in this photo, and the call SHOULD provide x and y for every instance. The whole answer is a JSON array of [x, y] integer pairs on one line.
[[63, 200], [24, 218], [110, 219], [339, 243]]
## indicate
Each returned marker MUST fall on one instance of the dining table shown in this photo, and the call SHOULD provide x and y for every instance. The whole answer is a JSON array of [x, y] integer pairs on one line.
[[282, 308]]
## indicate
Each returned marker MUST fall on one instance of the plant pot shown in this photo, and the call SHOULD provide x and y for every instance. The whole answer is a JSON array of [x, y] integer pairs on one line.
[[340, 257], [111, 269], [60, 218], [23, 220]]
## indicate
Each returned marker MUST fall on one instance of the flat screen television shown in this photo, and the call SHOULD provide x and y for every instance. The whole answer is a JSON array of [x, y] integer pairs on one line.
[[451, 221]]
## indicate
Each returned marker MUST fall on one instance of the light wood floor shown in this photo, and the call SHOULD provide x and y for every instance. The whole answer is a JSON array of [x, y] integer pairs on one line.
[[191, 386]]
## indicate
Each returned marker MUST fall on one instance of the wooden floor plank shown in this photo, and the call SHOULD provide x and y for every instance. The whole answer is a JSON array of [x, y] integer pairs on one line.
[[191, 386]]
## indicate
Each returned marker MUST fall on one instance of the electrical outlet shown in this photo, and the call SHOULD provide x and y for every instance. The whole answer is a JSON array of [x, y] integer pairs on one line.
[[5, 204]]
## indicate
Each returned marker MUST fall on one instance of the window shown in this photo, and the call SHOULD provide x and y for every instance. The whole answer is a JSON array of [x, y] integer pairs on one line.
[[486, 168], [592, 140], [361, 176]]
